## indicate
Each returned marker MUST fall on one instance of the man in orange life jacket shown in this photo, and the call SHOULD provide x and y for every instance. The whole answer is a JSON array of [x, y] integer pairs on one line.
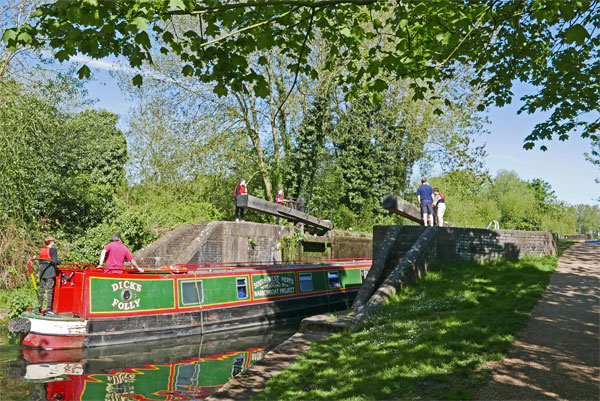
[[49, 256]]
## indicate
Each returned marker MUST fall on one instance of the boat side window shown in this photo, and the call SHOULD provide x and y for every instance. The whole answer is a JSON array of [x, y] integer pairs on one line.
[[333, 278], [363, 275], [306, 282], [242, 288], [191, 292], [238, 366]]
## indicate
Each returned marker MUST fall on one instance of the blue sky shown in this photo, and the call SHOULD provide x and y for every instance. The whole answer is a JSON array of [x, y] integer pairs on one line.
[[562, 165]]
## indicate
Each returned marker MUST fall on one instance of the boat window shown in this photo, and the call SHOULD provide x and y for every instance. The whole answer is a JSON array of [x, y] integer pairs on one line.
[[242, 288], [363, 275], [333, 278], [187, 375], [306, 283], [191, 292], [238, 366]]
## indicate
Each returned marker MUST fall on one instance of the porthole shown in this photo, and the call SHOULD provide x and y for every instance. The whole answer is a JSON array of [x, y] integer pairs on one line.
[[126, 295]]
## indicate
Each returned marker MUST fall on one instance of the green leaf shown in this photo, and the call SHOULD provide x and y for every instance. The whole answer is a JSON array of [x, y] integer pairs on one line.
[[177, 4], [143, 39], [444, 37], [261, 89], [220, 90], [379, 85], [375, 98], [84, 72], [346, 32], [140, 23], [167, 37], [62, 55], [24, 37], [9, 34], [576, 33], [187, 70], [137, 80]]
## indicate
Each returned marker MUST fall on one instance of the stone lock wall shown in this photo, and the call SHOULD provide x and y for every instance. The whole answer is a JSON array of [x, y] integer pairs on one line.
[[228, 242], [242, 242], [478, 244]]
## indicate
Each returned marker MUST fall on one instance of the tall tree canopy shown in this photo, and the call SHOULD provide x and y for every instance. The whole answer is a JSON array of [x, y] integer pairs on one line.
[[57, 168], [553, 45]]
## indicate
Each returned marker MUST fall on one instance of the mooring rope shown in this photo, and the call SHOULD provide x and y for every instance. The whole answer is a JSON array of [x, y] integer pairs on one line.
[[199, 304]]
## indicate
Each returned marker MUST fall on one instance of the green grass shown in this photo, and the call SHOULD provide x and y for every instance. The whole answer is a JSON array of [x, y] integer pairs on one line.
[[431, 341], [563, 245]]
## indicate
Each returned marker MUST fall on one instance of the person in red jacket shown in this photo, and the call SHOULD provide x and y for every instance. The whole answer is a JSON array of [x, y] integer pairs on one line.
[[439, 205], [240, 189], [280, 201], [49, 261]]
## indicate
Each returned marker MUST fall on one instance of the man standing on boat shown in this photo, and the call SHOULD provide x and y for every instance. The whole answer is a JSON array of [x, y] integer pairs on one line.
[[116, 253], [49, 261]]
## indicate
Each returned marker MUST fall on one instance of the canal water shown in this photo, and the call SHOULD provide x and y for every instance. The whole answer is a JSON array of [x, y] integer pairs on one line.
[[188, 368]]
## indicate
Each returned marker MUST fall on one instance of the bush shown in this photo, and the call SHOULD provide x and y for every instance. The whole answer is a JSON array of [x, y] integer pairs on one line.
[[87, 249], [290, 245], [16, 246], [344, 218], [21, 299], [169, 206]]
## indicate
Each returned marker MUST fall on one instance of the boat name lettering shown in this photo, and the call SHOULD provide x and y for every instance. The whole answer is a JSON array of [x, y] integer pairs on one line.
[[126, 284], [119, 385], [273, 281], [126, 305], [120, 378], [274, 291]]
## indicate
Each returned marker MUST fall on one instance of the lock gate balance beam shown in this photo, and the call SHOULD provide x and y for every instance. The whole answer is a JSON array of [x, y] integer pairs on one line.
[[397, 205], [250, 202]]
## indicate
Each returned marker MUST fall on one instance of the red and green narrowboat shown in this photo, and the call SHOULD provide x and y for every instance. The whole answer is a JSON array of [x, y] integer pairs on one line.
[[97, 309]]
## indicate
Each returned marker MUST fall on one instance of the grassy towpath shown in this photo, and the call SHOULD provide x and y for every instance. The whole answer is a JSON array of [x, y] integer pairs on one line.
[[431, 341]]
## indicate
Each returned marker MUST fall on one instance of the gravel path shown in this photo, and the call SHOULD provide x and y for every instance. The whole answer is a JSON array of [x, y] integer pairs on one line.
[[557, 354]]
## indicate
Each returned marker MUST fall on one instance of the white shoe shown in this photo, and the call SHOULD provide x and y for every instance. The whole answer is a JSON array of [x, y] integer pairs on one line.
[[237, 220]]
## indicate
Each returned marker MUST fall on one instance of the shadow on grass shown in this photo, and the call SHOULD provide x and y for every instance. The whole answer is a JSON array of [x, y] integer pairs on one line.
[[431, 341]]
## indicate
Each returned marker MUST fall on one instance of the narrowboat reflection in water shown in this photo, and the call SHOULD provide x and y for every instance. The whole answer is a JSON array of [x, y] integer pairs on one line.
[[154, 371]]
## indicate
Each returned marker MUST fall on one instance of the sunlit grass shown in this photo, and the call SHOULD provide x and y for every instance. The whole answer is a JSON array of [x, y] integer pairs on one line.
[[431, 341]]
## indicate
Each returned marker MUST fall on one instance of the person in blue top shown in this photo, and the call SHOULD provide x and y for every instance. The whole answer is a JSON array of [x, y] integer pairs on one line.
[[425, 198]]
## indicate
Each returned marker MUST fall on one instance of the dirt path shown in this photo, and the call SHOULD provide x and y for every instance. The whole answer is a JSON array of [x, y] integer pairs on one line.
[[557, 354]]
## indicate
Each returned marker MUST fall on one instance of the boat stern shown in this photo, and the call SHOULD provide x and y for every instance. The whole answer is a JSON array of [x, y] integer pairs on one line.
[[49, 332]]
